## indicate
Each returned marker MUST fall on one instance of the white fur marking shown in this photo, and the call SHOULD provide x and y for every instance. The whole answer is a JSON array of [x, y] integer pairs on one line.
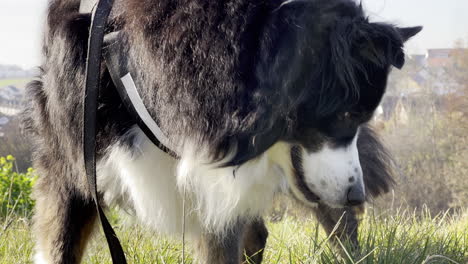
[[152, 183], [327, 172], [221, 196], [39, 258], [145, 183]]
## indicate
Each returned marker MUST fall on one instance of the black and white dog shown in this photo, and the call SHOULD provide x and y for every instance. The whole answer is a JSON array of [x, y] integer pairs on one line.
[[255, 95]]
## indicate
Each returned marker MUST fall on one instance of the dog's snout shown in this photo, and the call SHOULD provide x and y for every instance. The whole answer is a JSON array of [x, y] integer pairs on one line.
[[356, 195]]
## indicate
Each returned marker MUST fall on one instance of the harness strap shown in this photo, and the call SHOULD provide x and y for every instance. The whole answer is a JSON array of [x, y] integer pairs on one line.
[[117, 65], [93, 70], [86, 6]]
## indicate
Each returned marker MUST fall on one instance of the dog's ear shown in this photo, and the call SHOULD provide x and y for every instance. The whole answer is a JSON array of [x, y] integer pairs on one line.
[[398, 58], [382, 43], [408, 32]]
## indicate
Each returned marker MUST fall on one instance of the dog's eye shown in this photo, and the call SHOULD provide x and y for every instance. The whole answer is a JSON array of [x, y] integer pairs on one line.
[[344, 116]]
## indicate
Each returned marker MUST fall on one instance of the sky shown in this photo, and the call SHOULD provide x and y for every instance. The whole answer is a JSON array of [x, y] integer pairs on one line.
[[444, 21]]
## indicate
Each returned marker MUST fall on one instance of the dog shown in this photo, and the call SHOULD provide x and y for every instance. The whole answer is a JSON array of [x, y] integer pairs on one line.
[[252, 95], [378, 168]]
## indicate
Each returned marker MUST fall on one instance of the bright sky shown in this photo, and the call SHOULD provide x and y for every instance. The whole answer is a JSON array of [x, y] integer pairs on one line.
[[444, 21]]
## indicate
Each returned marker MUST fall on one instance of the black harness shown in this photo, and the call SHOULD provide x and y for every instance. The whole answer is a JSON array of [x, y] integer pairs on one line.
[[117, 66]]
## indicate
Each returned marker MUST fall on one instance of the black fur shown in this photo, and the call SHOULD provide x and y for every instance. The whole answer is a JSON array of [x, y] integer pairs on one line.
[[224, 75], [378, 166], [272, 70], [298, 172], [309, 61]]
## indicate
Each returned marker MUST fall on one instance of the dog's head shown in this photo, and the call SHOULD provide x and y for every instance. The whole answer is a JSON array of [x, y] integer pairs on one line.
[[334, 64]]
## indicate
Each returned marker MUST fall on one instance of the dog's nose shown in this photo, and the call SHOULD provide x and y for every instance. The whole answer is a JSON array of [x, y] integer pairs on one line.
[[356, 195]]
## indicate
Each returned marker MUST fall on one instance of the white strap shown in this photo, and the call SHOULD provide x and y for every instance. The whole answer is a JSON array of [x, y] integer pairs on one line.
[[86, 6], [137, 102]]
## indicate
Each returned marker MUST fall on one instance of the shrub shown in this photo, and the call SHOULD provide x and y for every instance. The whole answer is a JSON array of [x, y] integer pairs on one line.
[[430, 150], [15, 189], [14, 142]]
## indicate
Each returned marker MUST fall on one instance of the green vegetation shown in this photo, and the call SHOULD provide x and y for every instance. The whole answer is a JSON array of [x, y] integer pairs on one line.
[[16, 82], [15, 189], [406, 237], [394, 236], [403, 238]]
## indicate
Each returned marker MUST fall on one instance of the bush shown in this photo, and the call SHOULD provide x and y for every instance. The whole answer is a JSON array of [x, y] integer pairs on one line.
[[15, 189], [17, 144], [430, 149]]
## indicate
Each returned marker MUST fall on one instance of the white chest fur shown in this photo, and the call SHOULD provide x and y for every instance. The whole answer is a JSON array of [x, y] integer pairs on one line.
[[152, 184]]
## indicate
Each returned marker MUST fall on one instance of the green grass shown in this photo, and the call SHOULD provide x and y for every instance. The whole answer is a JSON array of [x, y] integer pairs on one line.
[[405, 238], [16, 82]]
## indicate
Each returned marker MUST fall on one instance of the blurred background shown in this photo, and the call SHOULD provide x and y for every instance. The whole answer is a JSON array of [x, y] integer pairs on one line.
[[422, 119]]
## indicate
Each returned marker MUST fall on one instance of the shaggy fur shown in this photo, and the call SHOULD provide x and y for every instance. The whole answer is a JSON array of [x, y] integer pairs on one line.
[[237, 84]]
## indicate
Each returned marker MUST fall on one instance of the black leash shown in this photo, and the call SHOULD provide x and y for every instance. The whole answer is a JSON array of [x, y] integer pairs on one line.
[[93, 78]]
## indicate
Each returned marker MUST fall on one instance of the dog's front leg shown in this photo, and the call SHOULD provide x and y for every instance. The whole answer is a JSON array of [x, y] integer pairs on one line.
[[344, 221], [254, 241], [221, 248]]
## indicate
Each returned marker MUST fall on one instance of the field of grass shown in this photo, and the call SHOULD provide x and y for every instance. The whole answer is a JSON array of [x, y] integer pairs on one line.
[[17, 82], [406, 238]]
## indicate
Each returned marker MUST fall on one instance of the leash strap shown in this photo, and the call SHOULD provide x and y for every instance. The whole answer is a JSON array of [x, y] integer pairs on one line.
[[93, 78]]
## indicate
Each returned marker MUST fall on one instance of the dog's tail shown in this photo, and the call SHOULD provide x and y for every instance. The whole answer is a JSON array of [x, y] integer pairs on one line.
[[377, 164]]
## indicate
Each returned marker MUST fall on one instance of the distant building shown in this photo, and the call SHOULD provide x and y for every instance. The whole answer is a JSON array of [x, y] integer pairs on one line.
[[9, 92], [430, 72], [438, 57], [441, 57], [419, 59], [11, 100]]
